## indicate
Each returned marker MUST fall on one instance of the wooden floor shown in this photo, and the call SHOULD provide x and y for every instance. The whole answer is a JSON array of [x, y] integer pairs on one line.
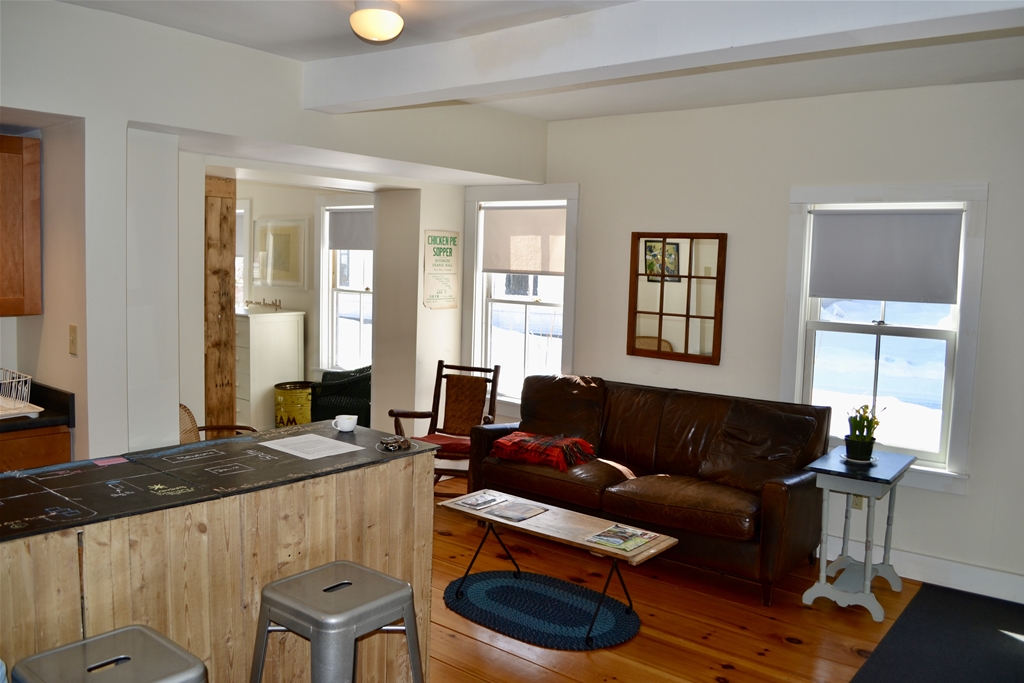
[[696, 625]]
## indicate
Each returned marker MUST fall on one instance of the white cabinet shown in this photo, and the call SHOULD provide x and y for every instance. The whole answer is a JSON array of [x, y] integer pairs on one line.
[[268, 350]]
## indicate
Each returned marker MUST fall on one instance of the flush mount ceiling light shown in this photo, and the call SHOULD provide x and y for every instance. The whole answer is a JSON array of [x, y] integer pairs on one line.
[[376, 20]]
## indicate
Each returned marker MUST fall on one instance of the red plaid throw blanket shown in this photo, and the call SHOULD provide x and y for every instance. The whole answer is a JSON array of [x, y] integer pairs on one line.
[[556, 451]]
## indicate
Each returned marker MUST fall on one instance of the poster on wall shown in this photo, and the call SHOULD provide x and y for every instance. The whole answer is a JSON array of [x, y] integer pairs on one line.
[[441, 270]]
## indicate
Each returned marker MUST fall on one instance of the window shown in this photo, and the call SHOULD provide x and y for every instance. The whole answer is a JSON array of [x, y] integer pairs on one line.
[[885, 298], [242, 209], [523, 330], [350, 301], [522, 254], [895, 354]]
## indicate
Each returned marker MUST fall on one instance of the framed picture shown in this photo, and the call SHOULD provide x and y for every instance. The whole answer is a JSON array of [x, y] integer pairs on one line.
[[657, 264], [279, 252]]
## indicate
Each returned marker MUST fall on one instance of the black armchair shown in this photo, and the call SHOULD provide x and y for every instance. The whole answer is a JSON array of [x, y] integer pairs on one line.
[[342, 393]]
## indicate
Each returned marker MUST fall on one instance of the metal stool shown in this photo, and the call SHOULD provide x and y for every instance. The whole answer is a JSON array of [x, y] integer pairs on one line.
[[133, 654], [332, 606]]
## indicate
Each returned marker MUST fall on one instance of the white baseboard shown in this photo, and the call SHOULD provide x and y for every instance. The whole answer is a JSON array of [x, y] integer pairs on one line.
[[934, 570]]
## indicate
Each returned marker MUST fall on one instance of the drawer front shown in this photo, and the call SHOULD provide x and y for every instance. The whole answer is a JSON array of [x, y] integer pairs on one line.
[[241, 332], [241, 360], [242, 412], [242, 385]]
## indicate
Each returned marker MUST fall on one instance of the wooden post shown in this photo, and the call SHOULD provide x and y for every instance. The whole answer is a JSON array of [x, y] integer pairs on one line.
[[220, 303]]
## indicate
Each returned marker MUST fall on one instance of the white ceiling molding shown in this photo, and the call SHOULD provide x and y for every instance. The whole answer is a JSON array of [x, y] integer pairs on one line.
[[634, 41]]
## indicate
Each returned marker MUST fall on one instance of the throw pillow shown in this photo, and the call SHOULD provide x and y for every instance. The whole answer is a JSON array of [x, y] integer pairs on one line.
[[756, 443], [555, 451]]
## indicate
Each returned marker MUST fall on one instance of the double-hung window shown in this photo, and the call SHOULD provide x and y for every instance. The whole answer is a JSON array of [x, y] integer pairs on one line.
[[883, 293], [350, 304], [521, 281], [888, 300]]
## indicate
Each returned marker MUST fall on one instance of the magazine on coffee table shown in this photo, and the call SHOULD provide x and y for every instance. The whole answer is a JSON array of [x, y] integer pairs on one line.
[[622, 537], [481, 500], [516, 512]]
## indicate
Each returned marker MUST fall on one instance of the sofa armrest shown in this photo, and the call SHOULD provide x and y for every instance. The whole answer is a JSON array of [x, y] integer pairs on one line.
[[481, 439], [790, 522]]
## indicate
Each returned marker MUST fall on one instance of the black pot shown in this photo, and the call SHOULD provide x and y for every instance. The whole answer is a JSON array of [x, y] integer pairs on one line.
[[859, 450]]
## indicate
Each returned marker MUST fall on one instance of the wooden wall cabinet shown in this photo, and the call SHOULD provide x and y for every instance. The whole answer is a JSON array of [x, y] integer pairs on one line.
[[21, 283], [268, 350]]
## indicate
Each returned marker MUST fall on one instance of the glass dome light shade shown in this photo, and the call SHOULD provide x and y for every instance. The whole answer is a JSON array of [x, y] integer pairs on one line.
[[376, 20]]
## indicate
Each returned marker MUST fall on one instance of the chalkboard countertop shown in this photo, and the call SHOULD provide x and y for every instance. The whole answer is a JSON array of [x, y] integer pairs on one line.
[[89, 491]]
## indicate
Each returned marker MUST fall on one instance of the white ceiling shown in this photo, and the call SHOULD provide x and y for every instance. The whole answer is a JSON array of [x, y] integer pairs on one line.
[[565, 59], [308, 30]]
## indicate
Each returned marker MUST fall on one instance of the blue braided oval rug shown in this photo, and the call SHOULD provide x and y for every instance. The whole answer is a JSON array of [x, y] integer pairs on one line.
[[541, 610]]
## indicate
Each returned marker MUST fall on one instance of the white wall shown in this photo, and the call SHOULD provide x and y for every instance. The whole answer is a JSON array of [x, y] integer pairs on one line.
[[152, 281], [192, 281], [730, 169], [9, 343], [43, 339], [438, 331], [112, 70], [395, 275]]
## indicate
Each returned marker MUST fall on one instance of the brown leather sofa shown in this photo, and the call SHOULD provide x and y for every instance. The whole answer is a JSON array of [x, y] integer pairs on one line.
[[722, 474]]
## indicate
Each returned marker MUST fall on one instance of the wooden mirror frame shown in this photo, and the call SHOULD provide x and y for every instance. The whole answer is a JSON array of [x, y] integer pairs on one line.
[[653, 270]]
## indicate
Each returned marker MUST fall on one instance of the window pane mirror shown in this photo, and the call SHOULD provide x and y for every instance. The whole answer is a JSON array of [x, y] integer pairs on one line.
[[675, 296]]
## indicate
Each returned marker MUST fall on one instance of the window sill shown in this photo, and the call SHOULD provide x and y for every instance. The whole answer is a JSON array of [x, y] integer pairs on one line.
[[508, 410], [932, 479]]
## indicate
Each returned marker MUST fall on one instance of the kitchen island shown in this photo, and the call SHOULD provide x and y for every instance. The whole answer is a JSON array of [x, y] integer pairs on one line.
[[183, 539]]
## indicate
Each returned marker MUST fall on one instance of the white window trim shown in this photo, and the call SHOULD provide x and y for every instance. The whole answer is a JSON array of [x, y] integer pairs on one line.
[[975, 197], [473, 286]]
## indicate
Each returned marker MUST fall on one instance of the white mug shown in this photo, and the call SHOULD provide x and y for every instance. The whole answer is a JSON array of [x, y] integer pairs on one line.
[[344, 423]]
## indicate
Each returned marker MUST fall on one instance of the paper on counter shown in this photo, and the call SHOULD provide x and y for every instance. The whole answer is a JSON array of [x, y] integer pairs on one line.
[[311, 446]]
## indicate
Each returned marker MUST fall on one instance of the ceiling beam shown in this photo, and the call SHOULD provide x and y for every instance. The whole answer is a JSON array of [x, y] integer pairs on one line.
[[631, 41]]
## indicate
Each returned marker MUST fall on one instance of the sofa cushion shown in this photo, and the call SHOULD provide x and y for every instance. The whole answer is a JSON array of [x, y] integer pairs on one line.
[[756, 443], [581, 485], [632, 416], [686, 503], [563, 405], [688, 426]]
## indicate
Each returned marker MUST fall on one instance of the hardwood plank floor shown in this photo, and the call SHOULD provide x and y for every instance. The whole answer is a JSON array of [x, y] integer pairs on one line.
[[697, 626]]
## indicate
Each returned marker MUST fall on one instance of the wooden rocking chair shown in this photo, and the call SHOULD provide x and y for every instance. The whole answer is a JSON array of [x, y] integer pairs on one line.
[[468, 401]]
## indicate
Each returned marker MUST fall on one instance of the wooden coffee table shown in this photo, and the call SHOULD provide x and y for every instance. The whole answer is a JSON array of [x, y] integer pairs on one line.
[[563, 526]]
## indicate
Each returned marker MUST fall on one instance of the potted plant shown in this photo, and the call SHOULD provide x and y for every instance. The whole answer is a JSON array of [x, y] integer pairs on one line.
[[861, 440]]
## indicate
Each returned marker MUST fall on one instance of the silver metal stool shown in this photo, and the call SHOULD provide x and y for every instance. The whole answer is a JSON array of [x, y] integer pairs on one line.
[[332, 606], [133, 654]]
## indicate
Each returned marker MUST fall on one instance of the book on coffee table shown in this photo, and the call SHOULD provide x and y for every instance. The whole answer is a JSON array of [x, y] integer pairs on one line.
[[481, 500], [515, 512], [622, 537]]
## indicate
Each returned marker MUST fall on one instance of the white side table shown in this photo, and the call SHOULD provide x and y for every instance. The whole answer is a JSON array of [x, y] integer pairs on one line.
[[873, 481]]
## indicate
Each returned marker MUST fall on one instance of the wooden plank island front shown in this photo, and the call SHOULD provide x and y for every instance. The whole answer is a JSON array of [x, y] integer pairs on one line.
[[184, 539]]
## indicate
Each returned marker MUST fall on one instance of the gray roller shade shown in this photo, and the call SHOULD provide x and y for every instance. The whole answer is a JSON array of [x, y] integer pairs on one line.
[[350, 229], [525, 240], [886, 255]]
